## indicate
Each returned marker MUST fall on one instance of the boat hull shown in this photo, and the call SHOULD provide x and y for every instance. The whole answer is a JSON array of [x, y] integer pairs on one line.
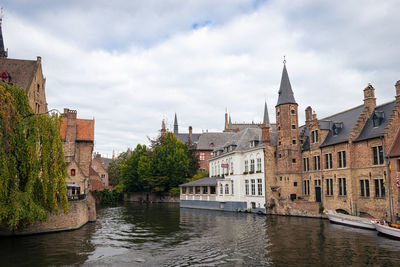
[[387, 230], [351, 221]]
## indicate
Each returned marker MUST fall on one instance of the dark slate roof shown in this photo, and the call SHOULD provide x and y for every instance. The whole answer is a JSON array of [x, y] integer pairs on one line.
[[216, 139], [20, 71], [242, 126], [285, 91], [106, 162], [184, 137], [203, 182], [369, 131], [348, 118]]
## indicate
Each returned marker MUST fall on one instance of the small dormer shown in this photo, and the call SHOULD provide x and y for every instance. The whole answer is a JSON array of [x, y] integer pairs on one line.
[[377, 118], [337, 127], [254, 143]]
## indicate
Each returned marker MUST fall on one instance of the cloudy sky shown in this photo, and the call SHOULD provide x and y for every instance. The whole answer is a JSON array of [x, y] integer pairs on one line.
[[131, 64]]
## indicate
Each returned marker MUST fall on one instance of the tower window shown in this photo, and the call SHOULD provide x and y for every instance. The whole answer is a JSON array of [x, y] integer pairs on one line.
[[293, 161], [293, 111], [293, 126], [294, 141]]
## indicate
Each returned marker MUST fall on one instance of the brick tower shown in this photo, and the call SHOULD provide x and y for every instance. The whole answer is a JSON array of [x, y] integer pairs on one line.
[[288, 152]]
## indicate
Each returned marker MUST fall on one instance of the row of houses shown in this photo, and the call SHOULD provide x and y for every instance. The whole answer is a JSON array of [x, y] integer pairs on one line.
[[349, 161], [86, 172]]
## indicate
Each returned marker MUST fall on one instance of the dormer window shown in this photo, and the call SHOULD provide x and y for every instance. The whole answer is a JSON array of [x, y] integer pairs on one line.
[[377, 118], [253, 143], [337, 127], [212, 145]]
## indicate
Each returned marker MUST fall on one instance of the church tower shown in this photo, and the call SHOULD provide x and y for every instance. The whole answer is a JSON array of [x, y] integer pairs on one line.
[[175, 125], [288, 152], [3, 52]]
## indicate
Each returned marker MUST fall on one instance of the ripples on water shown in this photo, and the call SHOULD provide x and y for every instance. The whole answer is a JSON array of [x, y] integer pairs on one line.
[[164, 235]]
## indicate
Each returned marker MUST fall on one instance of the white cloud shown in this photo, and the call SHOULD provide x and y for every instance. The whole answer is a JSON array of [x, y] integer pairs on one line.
[[132, 66]]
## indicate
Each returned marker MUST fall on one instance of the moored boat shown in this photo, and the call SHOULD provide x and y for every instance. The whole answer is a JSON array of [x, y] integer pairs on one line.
[[390, 229], [349, 220]]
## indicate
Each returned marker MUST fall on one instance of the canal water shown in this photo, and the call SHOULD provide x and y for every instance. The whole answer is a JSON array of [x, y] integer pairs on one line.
[[164, 235]]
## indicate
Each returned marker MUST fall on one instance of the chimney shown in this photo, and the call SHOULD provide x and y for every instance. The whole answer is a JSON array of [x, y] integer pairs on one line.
[[397, 85], [265, 135], [308, 114], [190, 135], [39, 59], [369, 98]]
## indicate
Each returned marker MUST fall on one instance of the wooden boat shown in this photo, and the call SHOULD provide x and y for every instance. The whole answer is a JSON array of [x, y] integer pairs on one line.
[[390, 229], [349, 220]]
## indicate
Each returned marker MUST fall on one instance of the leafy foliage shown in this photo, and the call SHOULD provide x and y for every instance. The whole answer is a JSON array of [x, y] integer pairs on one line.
[[108, 197], [114, 169], [160, 169], [32, 167]]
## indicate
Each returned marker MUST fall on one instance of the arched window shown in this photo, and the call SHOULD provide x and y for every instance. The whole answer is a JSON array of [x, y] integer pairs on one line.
[[72, 172]]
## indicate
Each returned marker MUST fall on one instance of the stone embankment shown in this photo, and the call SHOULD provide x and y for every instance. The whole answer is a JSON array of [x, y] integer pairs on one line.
[[79, 213], [295, 208], [150, 197]]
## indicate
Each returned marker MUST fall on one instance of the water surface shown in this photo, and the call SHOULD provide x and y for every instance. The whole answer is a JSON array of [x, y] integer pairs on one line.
[[165, 235]]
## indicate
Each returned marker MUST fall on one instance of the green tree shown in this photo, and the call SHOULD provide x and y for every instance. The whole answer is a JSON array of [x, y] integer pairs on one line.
[[129, 170], [115, 169], [32, 167]]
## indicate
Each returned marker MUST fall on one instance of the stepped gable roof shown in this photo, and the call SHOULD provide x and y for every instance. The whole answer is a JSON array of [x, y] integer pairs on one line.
[[92, 172], [184, 137], [286, 95], [203, 182], [84, 129], [208, 141], [369, 131], [106, 162], [395, 149], [20, 71], [347, 120]]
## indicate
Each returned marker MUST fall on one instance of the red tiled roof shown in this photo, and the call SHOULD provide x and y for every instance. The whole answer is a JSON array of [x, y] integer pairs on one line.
[[84, 129], [92, 172]]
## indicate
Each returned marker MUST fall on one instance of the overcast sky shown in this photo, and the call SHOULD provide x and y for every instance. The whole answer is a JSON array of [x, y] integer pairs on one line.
[[131, 64]]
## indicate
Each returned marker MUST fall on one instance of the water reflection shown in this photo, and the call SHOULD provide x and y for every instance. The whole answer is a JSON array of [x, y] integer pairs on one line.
[[165, 235]]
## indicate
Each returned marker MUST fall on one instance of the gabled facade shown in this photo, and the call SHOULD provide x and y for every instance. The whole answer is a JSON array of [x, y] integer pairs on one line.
[[340, 162], [78, 142]]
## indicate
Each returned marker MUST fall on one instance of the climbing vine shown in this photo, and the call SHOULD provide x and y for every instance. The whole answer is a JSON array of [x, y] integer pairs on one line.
[[32, 166]]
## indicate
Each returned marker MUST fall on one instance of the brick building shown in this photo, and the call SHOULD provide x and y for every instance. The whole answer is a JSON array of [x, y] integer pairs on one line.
[[98, 171], [78, 141], [26, 74], [340, 161]]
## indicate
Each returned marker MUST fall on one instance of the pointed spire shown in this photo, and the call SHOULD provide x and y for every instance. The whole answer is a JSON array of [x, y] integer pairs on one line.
[[175, 125], [230, 120], [266, 116], [285, 91], [3, 53]]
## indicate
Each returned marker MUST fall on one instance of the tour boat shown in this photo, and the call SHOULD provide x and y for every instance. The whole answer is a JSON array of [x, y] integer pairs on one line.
[[390, 229], [350, 220]]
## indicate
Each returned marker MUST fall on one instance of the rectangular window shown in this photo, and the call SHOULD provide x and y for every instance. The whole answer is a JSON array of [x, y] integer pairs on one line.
[[379, 188], [378, 155], [202, 156], [342, 187], [246, 184], [226, 189], [212, 190], [221, 189], [197, 190], [191, 190], [328, 161], [252, 165], [364, 188], [259, 188], [329, 187], [253, 187], [246, 166], [317, 163], [259, 165], [342, 159], [205, 190], [316, 136], [232, 167], [184, 190], [312, 137], [305, 163], [306, 187], [232, 187]]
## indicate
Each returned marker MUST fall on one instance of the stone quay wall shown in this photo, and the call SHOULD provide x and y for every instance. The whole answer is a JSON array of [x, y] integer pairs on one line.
[[79, 213], [150, 197], [295, 208]]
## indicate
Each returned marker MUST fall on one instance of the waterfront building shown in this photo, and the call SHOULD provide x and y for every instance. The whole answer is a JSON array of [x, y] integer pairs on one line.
[[340, 162], [237, 180], [78, 140], [98, 174], [26, 74]]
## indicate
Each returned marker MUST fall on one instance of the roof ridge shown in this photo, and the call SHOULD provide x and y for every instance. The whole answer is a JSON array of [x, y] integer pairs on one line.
[[386, 103], [347, 110]]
